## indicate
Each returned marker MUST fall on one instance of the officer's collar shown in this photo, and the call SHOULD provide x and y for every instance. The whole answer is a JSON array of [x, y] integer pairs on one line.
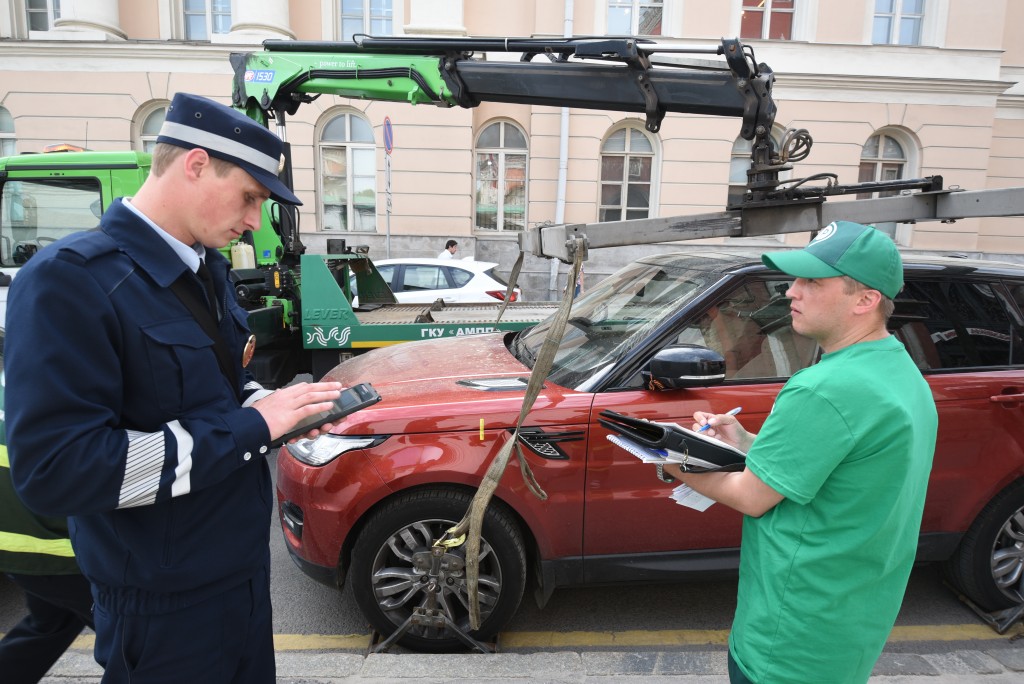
[[159, 258]]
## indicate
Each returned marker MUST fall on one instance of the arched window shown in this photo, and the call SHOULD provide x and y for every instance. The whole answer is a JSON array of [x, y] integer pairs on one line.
[[150, 128], [501, 154], [886, 156], [7, 141], [882, 158], [627, 162], [348, 174]]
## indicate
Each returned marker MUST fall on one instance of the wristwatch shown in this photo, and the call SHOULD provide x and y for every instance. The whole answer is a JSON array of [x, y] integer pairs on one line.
[[659, 468]]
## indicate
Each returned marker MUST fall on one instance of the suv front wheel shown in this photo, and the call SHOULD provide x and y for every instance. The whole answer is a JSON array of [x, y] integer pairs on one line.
[[988, 566], [392, 572]]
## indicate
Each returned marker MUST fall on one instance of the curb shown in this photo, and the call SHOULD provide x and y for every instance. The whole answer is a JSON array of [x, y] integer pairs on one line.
[[992, 667]]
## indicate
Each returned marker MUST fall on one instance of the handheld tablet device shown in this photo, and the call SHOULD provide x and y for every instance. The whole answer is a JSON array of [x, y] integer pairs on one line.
[[351, 400]]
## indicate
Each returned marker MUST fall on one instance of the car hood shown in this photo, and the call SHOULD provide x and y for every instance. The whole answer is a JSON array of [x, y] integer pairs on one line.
[[451, 384]]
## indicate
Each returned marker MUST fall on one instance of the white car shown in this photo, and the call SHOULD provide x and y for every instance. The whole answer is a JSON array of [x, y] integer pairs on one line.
[[416, 281]]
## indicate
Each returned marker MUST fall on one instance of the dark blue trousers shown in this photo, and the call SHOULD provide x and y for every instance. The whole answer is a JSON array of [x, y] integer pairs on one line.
[[59, 608], [227, 639]]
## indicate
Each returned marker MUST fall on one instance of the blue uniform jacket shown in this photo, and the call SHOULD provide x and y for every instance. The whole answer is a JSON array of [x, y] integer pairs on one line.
[[119, 416]]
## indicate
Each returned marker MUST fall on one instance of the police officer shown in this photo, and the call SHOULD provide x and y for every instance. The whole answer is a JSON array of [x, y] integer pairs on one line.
[[129, 408], [36, 554]]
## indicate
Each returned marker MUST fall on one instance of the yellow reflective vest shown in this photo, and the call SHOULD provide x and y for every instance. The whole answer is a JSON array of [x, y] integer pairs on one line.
[[30, 544]]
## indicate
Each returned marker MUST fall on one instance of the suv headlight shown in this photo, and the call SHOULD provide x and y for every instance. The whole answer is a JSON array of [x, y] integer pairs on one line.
[[326, 448]]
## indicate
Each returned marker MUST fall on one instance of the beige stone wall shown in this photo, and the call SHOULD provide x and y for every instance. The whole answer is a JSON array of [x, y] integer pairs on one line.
[[139, 21], [974, 24], [842, 22], [1011, 41]]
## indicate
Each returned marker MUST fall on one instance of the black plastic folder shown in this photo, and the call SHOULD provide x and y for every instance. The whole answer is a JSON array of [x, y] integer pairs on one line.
[[655, 442]]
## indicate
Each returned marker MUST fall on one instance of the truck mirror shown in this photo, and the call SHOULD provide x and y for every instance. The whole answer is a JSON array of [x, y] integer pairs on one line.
[[684, 365]]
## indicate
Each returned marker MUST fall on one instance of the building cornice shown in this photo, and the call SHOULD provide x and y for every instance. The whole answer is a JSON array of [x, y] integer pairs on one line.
[[156, 55], [785, 82]]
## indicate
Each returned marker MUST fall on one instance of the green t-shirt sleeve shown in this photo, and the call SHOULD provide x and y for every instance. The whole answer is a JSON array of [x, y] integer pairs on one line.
[[801, 443]]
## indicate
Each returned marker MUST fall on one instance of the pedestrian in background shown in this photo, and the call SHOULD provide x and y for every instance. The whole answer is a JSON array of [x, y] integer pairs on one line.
[[131, 412], [35, 554], [834, 485], [449, 250]]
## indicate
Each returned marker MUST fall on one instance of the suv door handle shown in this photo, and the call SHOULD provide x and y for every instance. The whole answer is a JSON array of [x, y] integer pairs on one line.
[[1007, 398]]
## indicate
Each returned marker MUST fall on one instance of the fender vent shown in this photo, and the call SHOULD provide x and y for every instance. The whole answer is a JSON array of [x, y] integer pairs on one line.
[[545, 444]]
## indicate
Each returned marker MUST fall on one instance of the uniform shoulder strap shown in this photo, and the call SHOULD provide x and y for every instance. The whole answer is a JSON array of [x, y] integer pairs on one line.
[[100, 255]]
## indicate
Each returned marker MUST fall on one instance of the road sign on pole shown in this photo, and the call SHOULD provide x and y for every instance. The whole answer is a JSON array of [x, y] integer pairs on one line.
[[389, 135]]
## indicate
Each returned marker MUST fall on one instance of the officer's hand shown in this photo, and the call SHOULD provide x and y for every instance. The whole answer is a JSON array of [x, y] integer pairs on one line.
[[288, 406]]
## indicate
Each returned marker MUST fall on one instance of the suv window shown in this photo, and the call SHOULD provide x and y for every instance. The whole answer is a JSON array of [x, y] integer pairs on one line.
[[751, 328], [944, 324], [1017, 293], [957, 324]]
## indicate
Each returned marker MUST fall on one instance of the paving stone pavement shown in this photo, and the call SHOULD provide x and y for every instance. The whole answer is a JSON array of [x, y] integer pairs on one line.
[[996, 666]]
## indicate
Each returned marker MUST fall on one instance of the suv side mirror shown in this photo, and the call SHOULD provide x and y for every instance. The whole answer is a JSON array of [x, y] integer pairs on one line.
[[684, 365]]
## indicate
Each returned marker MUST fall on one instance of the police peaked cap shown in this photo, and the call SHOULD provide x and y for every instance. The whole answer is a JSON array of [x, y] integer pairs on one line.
[[226, 134]]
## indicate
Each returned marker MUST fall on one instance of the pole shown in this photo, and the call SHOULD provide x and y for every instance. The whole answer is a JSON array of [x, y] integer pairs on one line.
[[389, 144], [387, 206]]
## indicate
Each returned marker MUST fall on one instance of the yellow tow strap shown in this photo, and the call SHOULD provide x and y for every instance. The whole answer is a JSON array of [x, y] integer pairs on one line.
[[473, 520]]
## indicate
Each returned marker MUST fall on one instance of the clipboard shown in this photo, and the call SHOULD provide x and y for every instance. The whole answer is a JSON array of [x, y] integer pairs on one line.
[[667, 442]]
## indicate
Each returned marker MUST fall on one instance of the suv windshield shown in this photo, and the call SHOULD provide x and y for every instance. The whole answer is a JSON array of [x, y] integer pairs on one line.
[[616, 315]]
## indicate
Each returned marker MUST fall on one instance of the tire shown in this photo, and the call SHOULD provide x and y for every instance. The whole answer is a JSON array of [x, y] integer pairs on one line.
[[988, 566], [390, 576]]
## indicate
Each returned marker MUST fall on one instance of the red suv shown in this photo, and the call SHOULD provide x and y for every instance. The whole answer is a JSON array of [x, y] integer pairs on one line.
[[365, 504]]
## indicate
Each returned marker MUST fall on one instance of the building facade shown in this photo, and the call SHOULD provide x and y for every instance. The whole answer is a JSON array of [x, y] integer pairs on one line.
[[887, 88]]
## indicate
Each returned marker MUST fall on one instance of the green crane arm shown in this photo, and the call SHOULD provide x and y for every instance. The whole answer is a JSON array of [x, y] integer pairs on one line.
[[619, 74]]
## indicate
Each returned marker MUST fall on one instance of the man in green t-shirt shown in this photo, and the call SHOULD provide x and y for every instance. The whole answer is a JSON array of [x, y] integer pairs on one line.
[[834, 485]]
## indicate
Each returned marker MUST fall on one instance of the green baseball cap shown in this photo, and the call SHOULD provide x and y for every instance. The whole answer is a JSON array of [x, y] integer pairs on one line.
[[844, 248]]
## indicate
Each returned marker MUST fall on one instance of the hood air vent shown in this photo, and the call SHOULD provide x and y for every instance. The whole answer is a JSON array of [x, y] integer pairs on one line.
[[495, 384]]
